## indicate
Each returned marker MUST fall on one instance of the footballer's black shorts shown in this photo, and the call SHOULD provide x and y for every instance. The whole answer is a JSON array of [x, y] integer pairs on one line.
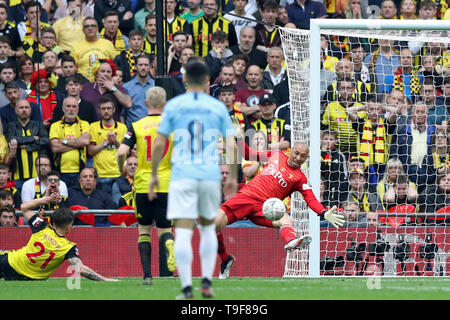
[[7, 272], [156, 210]]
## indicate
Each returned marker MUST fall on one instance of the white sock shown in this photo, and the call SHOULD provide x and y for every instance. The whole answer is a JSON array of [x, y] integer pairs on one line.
[[183, 255], [208, 250]]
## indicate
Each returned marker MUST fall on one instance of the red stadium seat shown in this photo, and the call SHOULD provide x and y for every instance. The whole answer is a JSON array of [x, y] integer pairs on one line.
[[441, 210], [85, 217], [128, 219], [397, 221]]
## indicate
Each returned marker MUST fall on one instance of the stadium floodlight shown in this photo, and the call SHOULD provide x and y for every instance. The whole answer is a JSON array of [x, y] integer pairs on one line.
[[303, 53]]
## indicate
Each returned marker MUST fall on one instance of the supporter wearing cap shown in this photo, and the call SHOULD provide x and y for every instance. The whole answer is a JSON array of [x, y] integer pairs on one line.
[[358, 191], [278, 133]]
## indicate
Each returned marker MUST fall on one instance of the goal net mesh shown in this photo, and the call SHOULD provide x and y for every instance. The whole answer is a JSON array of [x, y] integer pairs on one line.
[[385, 148]]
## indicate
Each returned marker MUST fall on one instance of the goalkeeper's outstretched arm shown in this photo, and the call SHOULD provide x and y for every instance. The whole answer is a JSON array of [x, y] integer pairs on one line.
[[336, 220]]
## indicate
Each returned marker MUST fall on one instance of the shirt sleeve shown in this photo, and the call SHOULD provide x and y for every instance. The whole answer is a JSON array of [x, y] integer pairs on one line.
[[72, 253], [311, 200], [36, 223], [130, 137]]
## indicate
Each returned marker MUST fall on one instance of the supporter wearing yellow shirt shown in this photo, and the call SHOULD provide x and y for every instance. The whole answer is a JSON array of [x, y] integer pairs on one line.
[[92, 49], [106, 136], [69, 29], [337, 116], [69, 138]]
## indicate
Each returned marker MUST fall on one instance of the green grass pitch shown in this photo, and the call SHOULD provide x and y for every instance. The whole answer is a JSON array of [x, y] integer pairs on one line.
[[330, 288]]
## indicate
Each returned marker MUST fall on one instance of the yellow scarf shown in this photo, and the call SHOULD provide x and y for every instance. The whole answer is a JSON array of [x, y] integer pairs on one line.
[[440, 160], [119, 43], [238, 114], [399, 84], [131, 60], [362, 203], [373, 147]]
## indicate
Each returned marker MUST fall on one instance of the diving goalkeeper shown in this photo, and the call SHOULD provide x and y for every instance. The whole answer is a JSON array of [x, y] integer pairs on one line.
[[280, 177]]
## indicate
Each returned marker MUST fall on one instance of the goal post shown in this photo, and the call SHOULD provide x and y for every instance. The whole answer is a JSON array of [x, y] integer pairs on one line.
[[302, 53]]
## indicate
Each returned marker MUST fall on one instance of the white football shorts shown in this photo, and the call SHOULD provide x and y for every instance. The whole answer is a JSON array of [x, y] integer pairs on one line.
[[190, 199]]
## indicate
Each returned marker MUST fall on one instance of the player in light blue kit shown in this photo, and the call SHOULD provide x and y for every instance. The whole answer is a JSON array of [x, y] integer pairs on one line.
[[197, 121]]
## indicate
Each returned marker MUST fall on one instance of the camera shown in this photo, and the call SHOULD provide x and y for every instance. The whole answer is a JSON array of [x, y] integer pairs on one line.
[[355, 252], [402, 250], [429, 249], [328, 263], [379, 247]]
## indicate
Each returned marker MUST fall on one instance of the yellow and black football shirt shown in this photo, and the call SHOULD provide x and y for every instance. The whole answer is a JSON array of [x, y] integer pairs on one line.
[[142, 133], [202, 31], [274, 129], [71, 161], [44, 252], [105, 161], [24, 166]]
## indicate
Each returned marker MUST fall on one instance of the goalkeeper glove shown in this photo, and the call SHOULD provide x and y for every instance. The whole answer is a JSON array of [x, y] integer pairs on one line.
[[237, 127], [336, 220]]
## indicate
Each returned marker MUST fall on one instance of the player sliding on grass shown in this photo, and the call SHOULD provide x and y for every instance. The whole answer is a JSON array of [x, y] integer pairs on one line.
[[280, 177], [47, 248]]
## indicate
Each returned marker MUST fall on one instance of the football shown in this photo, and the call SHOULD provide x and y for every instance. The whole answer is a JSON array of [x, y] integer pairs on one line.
[[273, 209]]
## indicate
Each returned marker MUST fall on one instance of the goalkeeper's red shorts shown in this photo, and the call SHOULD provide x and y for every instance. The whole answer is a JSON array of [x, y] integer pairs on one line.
[[241, 207]]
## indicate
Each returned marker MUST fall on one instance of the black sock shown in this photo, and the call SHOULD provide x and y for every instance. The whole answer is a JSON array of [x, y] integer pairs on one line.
[[206, 283], [145, 252], [163, 254]]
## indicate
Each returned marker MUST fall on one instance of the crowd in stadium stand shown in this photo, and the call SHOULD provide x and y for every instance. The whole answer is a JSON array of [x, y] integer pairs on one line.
[[74, 74]]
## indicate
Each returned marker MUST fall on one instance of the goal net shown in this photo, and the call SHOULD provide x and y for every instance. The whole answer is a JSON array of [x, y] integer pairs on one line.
[[372, 100]]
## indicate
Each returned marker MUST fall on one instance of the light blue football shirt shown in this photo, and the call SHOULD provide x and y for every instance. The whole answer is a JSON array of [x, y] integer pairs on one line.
[[197, 121]]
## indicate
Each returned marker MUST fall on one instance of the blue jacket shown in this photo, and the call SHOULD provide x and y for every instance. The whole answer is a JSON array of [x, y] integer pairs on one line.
[[301, 17], [403, 150]]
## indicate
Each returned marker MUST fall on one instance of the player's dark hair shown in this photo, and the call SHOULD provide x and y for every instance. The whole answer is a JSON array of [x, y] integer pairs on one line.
[[196, 72], [62, 217], [68, 58]]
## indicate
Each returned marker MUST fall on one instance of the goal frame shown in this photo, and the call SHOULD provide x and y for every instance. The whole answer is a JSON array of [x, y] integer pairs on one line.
[[316, 26]]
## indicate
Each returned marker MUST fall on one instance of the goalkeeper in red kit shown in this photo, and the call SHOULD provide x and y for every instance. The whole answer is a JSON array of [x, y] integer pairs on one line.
[[280, 177]]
